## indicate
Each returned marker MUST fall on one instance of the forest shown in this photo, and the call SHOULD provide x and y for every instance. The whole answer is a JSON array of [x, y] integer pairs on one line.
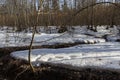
[[23, 13]]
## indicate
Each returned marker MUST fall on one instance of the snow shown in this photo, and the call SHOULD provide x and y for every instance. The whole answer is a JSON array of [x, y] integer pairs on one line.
[[103, 55], [23, 39], [8, 36], [93, 51]]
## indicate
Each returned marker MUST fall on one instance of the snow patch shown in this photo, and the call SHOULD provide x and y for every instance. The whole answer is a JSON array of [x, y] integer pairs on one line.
[[103, 55]]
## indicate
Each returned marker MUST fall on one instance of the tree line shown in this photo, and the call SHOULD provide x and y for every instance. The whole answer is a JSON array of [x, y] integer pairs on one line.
[[23, 13]]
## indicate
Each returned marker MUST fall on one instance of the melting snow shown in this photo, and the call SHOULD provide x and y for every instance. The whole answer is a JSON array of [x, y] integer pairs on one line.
[[104, 55]]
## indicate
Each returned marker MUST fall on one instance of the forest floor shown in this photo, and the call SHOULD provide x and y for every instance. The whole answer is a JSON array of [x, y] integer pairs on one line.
[[16, 69]]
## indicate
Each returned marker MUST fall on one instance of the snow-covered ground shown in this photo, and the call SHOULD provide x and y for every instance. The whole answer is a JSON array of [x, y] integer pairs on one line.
[[80, 35], [103, 55], [22, 39]]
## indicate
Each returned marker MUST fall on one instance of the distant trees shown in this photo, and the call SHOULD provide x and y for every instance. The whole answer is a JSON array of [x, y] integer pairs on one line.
[[23, 13]]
